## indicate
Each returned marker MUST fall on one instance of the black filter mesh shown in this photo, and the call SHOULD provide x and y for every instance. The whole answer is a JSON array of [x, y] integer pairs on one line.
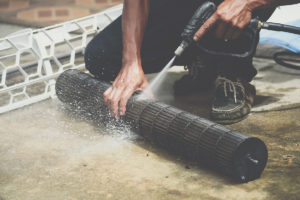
[[195, 138]]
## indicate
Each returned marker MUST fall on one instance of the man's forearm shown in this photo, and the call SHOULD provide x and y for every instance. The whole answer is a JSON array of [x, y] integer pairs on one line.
[[135, 14], [253, 4]]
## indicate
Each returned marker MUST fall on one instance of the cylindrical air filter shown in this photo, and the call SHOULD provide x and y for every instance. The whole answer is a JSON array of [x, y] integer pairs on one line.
[[194, 138]]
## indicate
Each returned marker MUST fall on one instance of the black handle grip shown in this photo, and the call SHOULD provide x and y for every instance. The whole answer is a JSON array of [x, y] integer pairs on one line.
[[202, 14]]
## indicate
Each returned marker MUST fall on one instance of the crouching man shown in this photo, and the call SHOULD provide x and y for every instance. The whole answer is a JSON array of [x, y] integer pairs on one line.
[[145, 37]]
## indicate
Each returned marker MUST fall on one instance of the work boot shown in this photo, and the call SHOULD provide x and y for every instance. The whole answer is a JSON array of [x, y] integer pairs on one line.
[[233, 100], [200, 77]]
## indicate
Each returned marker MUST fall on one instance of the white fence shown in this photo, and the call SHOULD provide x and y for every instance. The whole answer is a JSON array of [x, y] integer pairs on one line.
[[30, 60]]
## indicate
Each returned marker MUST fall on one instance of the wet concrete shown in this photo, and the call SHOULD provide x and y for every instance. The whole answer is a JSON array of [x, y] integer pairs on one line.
[[46, 152]]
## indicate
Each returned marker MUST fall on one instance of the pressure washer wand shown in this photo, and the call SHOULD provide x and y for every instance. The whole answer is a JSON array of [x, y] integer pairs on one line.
[[278, 27], [201, 15], [205, 11]]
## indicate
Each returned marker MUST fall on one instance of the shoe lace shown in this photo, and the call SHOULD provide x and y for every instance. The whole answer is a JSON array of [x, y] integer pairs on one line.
[[232, 86]]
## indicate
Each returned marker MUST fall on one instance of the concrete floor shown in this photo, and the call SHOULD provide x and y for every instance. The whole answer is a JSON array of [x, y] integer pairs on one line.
[[46, 152]]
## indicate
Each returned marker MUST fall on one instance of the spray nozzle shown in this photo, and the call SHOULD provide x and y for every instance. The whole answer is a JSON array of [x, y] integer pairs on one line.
[[183, 45]]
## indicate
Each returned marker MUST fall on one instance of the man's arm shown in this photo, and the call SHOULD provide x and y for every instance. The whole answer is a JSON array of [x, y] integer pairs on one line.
[[233, 15], [131, 77]]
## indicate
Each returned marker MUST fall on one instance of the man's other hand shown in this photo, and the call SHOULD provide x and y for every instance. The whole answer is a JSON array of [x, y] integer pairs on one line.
[[130, 79], [229, 20]]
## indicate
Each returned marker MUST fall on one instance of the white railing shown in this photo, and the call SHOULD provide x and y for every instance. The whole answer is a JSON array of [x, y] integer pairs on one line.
[[30, 60]]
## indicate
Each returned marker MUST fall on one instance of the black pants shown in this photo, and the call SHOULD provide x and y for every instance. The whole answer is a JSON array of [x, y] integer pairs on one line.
[[166, 21]]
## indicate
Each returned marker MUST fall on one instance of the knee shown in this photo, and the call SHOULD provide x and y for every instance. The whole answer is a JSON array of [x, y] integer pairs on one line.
[[90, 58], [99, 62], [94, 58]]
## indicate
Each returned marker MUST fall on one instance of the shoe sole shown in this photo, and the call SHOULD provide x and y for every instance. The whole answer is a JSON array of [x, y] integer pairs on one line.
[[229, 121]]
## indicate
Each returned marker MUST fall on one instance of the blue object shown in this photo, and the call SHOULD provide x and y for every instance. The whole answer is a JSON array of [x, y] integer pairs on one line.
[[282, 39]]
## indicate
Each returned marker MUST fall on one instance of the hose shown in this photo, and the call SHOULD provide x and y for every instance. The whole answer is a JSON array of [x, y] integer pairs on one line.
[[281, 61], [278, 56], [280, 27]]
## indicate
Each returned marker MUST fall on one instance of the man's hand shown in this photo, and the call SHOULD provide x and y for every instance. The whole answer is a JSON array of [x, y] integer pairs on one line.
[[130, 79], [229, 20]]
